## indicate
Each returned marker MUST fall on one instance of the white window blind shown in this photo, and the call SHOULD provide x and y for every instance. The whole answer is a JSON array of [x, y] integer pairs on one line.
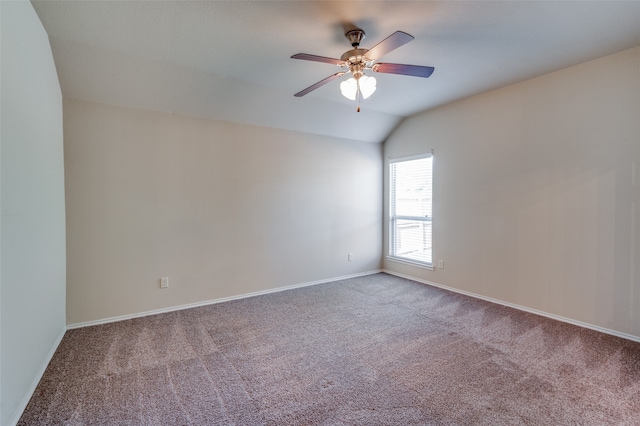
[[410, 213]]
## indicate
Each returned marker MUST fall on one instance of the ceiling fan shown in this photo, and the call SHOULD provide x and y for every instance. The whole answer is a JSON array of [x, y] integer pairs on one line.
[[356, 61]]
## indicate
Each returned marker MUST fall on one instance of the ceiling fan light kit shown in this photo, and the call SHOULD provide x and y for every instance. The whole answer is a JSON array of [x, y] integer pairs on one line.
[[357, 60], [364, 86]]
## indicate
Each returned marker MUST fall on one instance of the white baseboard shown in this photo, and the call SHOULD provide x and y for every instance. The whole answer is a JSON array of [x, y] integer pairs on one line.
[[214, 301], [36, 380], [520, 308]]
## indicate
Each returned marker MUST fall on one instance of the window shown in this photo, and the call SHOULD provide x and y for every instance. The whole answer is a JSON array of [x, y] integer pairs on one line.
[[410, 184]]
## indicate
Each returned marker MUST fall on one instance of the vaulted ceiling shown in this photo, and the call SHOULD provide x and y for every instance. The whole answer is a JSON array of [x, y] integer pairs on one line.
[[230, 60]]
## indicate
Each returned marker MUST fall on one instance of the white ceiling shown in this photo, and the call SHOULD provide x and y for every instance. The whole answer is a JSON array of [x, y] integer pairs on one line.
[[230, 60]]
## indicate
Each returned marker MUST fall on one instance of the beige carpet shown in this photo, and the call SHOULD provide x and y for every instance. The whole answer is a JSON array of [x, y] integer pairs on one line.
[[376, 350]]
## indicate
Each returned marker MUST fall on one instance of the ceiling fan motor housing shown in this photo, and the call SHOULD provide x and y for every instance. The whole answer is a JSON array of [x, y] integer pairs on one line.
[[355, 61]]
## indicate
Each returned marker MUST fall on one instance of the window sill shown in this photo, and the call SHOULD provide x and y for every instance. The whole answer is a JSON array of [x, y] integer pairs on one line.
[[410, 262]]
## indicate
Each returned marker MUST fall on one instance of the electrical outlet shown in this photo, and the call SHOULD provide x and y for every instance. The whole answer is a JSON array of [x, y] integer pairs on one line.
[[350, 257], [441, 264], [164, 282]]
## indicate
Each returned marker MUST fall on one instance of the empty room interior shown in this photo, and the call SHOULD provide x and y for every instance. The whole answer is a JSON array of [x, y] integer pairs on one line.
[[210, 212]]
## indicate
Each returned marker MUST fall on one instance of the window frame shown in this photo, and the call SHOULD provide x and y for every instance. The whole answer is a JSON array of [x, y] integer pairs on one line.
[[393, 217]]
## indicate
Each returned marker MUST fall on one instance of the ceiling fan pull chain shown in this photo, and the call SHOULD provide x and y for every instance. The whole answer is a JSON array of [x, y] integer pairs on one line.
[[358, 94]]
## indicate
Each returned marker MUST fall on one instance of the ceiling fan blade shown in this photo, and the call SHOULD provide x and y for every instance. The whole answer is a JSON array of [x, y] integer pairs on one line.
[[390, 43], [316, 58], [318, 84], [412, 70]]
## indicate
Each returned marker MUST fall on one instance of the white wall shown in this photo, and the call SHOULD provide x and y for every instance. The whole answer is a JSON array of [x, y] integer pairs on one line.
[[222, 209], [32, 224], [536, 192]]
